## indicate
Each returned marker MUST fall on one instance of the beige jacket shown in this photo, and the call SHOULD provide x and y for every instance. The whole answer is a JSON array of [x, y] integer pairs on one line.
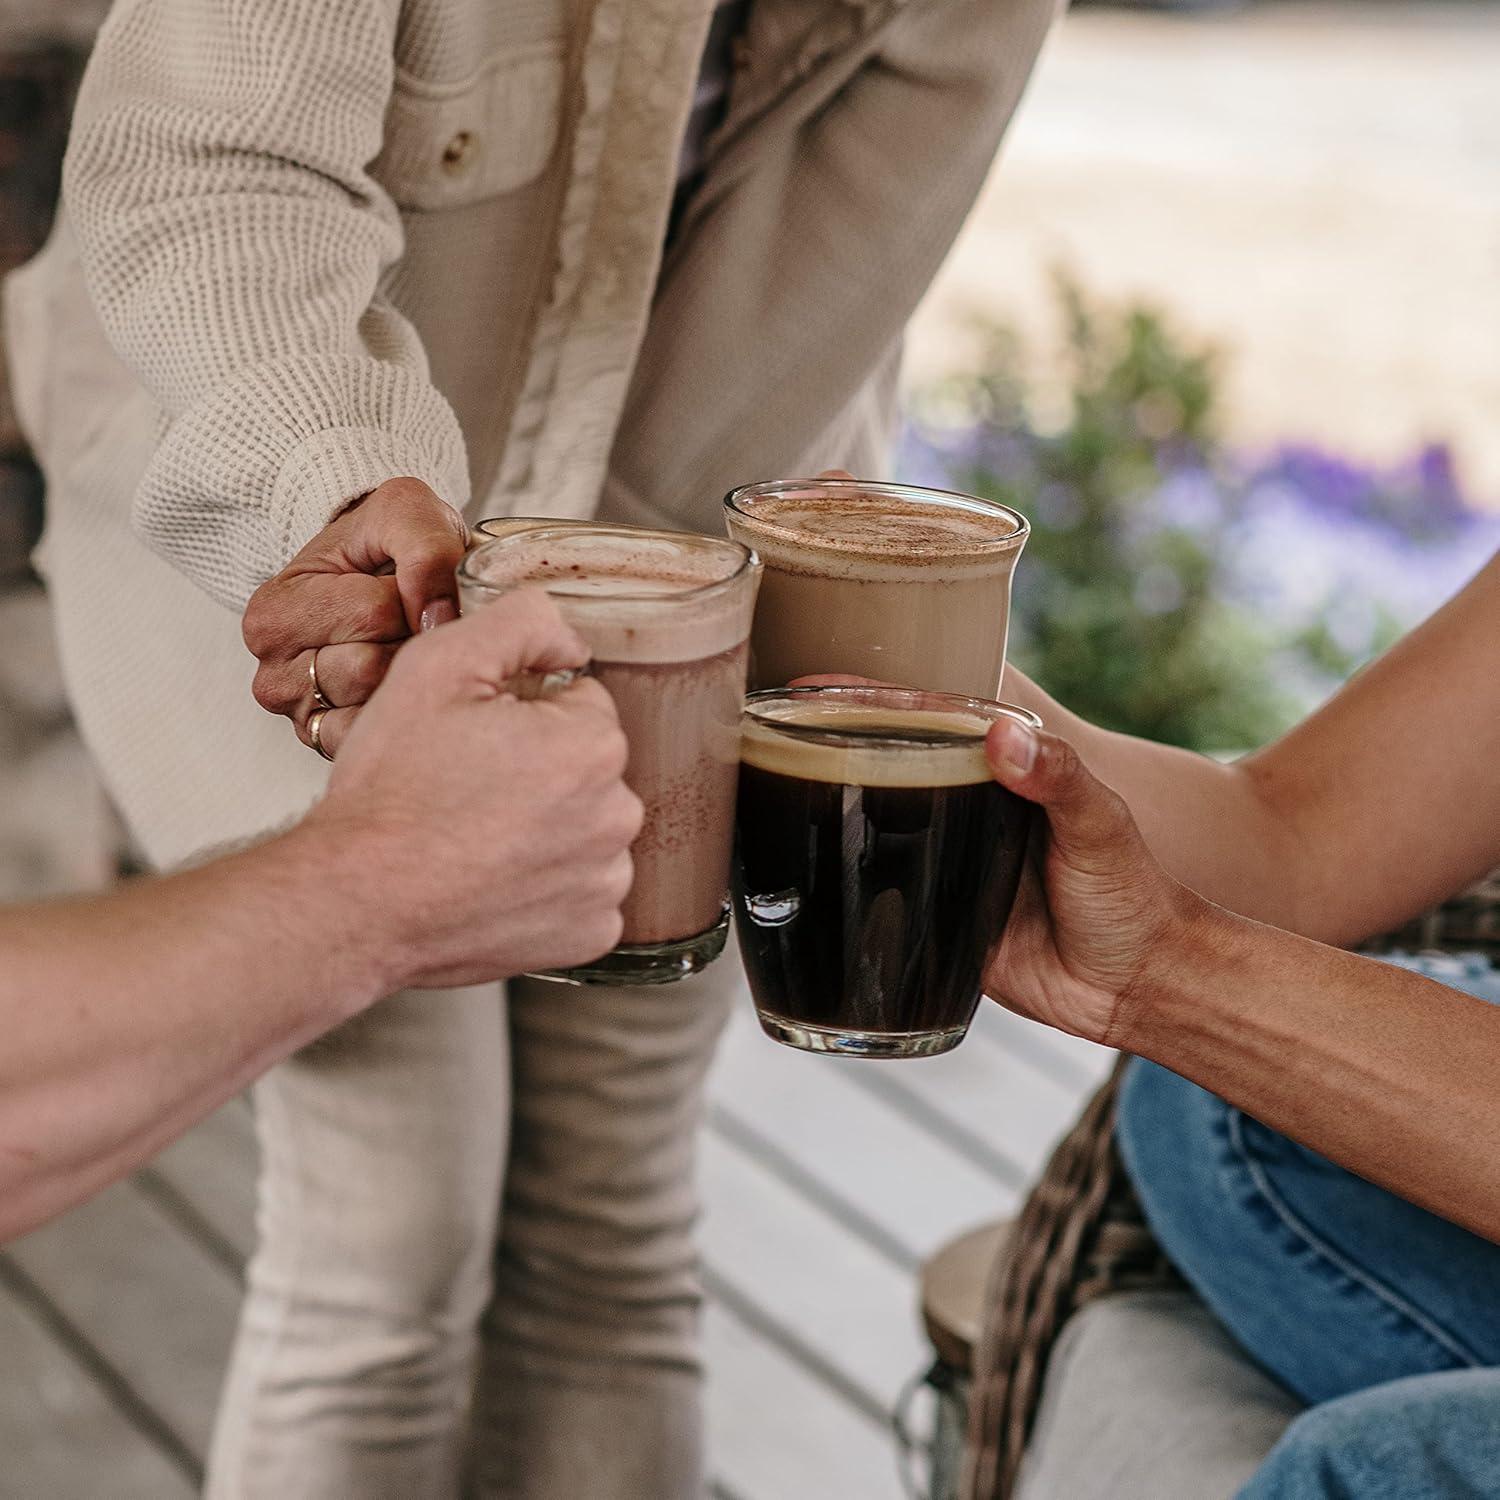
[[309, 247]]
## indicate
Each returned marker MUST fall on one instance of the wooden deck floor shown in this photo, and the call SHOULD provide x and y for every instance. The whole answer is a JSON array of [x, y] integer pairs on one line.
[[825, 1183]]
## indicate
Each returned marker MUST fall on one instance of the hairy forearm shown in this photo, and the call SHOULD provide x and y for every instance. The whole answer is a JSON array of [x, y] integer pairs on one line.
[[126, 1018], [1381, 1070]]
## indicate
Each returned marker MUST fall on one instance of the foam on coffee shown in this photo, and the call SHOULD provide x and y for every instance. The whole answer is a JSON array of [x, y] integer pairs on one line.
[[903, 747], [884, 536], [583, 573]]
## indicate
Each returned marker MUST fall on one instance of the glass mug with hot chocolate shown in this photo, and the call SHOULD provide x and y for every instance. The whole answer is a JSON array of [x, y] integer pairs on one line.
[[666, 617]]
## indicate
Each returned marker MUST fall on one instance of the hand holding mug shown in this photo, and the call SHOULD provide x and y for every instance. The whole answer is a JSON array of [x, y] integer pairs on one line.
[[326, 627], [1095, 911], [501, 827]]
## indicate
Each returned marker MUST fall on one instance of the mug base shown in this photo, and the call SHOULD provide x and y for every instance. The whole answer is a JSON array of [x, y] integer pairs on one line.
[[860, 1043], [648, 963]]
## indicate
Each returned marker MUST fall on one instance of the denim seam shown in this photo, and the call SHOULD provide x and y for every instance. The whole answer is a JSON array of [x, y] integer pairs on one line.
[[1234, 1119]]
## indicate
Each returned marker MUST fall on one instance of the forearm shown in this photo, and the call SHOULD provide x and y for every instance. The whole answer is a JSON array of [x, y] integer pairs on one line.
[[1381, 1070], [231, 967], [1210, 823], [1375, 807]]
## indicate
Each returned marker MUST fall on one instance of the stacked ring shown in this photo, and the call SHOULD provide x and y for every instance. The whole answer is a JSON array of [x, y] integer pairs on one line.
[[317, 687], [315, 731]]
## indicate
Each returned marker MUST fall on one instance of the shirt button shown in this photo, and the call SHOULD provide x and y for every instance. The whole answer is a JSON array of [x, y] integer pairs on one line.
[[457, 152]]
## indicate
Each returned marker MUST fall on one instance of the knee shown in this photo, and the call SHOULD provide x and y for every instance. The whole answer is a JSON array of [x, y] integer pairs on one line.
[[1355, 1447]]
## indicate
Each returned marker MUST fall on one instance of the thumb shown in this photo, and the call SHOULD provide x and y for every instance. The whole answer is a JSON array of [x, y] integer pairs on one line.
[[406, 525], [518, 636], [1082, 811]]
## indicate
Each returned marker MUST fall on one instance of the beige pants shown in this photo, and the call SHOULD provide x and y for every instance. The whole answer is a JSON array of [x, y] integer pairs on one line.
[[453, 1185], [446, 1164]]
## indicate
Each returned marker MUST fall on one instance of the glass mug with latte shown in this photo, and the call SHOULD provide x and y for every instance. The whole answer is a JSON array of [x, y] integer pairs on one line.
[[666, 616], [887, 581]]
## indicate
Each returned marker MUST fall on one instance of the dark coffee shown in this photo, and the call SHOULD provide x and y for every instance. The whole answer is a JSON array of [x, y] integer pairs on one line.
[[871, 879]]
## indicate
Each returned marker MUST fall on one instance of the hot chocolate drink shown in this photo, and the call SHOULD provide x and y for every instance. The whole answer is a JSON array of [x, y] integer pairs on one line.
[[876, 862], [884, 581], [666, 618]]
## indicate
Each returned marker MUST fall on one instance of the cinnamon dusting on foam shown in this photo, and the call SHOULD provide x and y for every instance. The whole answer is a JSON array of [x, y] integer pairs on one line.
[[813, 532]]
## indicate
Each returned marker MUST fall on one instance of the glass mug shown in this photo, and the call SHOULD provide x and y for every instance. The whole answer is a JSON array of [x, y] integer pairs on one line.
[[876, 863], [888, 581], [666, 616]]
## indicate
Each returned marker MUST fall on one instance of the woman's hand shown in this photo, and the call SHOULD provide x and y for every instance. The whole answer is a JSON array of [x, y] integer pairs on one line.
[[1094, 909], [381, 571]]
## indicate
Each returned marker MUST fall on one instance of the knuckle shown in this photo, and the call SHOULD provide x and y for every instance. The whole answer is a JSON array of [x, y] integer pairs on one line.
[[269, 691], [619, 877]]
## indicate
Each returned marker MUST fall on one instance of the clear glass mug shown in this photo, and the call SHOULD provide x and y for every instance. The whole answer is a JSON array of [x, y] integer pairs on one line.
[[666, 616], [888, 581], [876, 863]]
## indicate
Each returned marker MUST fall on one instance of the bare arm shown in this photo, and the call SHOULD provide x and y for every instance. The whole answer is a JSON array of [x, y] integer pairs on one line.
[[126, 1018], [1381, 803], [130, 1017], [1387, 1073]]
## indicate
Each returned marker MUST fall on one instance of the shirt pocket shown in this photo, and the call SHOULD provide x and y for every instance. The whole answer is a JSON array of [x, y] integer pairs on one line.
[[451, 144]]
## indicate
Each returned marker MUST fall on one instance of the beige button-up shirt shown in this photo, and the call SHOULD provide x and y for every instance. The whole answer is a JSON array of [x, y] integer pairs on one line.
[[308, 248]]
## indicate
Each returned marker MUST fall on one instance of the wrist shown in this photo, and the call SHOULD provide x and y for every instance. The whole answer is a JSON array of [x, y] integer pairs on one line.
[[1193, 964], [324, 872]]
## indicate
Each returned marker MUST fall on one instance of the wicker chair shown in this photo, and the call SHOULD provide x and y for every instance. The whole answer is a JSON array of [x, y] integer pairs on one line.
[[1080, 1237]]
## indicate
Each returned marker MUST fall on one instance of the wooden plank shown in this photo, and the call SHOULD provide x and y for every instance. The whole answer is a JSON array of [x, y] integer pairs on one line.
[[824, 1293], [61, 1435], [775, 1432], [983, 1100], [807, 1120], [206, 1180], [1069, 1060], [154, 1304]]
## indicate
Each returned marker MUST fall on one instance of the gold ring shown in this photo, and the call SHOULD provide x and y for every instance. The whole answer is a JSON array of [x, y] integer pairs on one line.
[[317, 687], [315, 732]]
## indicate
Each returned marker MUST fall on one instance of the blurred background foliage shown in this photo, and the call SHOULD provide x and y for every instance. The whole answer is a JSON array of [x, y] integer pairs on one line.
[[1173, 587]]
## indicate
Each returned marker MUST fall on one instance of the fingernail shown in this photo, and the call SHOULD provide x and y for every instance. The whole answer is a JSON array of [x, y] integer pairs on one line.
[[1017, 746], [439, 612]]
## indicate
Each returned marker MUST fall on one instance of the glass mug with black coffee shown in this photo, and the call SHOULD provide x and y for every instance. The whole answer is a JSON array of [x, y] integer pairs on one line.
[[666, 616], [876, 864]]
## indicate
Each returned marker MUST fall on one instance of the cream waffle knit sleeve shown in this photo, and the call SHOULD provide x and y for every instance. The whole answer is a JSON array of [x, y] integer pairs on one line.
[[234, 242]]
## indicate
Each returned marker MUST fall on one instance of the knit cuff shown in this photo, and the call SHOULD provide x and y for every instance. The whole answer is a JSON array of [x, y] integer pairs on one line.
[[247, 477], [335, 468]]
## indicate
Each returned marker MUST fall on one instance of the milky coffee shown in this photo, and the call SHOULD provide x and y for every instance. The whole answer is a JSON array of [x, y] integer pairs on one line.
[[892, 582], [666, 617]]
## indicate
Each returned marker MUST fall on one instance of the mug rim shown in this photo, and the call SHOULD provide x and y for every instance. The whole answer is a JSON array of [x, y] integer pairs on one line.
[[991, 709], [748, 562], [735, 504]]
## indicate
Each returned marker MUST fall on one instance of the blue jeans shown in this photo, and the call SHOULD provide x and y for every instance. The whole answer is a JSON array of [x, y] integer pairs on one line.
[[1385, 1318]]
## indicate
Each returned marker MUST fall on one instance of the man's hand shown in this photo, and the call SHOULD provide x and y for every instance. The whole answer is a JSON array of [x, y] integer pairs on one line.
[[378, 573], [1094, 910], [482, 835]]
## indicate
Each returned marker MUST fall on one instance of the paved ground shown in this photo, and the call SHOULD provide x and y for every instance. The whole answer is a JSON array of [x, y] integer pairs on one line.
[[1313, 184]]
